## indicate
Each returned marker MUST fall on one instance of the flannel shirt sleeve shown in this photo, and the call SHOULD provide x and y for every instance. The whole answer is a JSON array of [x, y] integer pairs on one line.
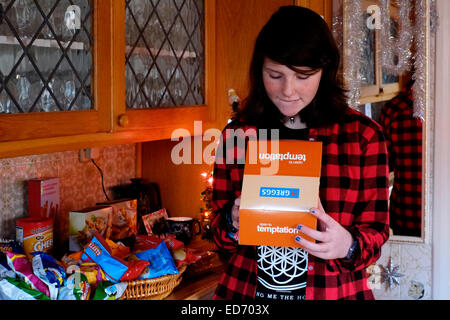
[[371, 223], [227, 184]]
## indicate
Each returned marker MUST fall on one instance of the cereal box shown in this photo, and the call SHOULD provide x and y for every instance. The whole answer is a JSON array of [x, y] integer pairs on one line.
[[280, 185], [43, 198], [85, 222], [124, 218]]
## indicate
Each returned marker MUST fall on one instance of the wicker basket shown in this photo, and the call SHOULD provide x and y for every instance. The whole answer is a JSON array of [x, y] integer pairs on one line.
[[153, 289]]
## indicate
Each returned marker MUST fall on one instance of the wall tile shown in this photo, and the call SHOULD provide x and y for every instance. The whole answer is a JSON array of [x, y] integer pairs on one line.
[[414, 261], [80, 183]]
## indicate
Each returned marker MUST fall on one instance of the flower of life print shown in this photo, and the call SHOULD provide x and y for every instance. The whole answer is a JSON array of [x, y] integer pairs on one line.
[[281, 268]]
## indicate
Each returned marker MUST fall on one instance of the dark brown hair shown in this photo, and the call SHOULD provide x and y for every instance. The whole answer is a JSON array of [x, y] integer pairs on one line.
[[295, 37]]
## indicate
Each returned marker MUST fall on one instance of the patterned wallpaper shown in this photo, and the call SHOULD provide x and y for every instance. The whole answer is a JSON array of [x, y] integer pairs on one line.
[[80, 183]]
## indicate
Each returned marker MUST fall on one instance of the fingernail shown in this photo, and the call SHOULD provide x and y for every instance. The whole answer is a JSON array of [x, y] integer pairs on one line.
[[297, 238], [299, 227], [313, 210]]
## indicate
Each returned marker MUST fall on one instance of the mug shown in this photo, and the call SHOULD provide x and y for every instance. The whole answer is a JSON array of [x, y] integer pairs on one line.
[[183, 228]]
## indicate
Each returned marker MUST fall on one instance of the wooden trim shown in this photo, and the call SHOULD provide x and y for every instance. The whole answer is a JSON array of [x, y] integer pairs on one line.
[[58, 144], [118, 62], [138, 160], [210, 56], [102, 58], [161, 117], [322, 7], [377, 98]]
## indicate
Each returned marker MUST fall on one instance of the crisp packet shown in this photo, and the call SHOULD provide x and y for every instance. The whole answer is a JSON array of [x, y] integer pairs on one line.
[[185, 256], [52, 273], [77, 288], [98, 251], [93, 272], [22, 266], [109, 291], [5, 269], [15, 289], [172, 243], [161, 262], [143, 242], [118, 249], [135, 269], [10, 245]]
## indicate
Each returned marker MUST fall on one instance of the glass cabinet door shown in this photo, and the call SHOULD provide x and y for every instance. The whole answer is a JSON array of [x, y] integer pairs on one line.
[[165, 54], [46, 62]]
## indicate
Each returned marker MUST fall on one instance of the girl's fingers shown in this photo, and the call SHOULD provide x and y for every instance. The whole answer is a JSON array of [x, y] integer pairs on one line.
[[312, 233], [310, 246]]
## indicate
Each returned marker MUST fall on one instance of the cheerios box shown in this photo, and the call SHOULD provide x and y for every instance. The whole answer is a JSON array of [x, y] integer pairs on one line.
[[85, 222], [280, 185], [124, 218]]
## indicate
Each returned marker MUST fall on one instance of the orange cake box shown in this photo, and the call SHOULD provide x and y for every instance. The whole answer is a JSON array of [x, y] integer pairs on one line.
[[280, 185]]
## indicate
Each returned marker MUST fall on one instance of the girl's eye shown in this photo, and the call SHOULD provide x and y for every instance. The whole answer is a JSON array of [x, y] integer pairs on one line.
[[302, 77], [272, 76]]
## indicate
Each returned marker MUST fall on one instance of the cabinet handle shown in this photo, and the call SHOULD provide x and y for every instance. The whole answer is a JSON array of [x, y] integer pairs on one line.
[[123, 120]]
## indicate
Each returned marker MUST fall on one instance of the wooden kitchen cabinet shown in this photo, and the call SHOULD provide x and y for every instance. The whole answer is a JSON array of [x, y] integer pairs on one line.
[[109, 121], [23, 125], [156, 51], [230, 28]]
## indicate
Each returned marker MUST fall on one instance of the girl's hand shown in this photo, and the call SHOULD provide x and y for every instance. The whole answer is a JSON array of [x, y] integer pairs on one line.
[[334, 241]]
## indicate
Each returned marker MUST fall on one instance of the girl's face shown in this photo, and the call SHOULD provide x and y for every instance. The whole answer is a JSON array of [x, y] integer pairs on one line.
[[289, 91]]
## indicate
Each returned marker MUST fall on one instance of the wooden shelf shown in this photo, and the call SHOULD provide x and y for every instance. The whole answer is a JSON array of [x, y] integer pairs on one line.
[[43, 43]]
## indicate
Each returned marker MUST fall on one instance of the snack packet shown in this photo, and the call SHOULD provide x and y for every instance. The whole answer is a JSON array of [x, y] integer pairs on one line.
[[15, 289], [52, 273], [143, 242], [77, 288], [118, 249], [93, 272], [185, 256], [5, 269], [172, 243], [161, 262], [98, 251], [109, 291], [10, 245], [22, 267], [135, 269]]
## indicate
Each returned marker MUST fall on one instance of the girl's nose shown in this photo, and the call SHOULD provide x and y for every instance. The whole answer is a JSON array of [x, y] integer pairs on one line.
[[288, 88]]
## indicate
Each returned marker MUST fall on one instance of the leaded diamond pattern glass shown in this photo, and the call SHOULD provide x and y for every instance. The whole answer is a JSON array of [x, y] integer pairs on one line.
[[165, 53], [45, 55]]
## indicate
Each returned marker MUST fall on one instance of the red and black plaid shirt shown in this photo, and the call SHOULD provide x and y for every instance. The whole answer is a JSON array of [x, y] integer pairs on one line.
[[353, 191], [403, 135]]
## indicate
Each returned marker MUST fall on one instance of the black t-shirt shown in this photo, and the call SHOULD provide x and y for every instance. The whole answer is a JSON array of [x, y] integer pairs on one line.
[[282, 271]]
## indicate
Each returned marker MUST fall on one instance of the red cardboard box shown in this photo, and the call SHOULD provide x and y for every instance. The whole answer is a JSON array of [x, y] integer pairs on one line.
[[43, 198]]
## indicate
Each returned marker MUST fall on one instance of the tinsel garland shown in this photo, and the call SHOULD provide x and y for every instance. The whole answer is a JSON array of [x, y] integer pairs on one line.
[[420, 60], [410, 35], [353, 49], [399, 47]]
